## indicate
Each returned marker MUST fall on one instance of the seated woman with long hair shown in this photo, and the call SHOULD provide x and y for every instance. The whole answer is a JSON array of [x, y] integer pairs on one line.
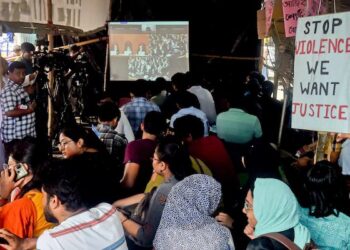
[[271, 207], [25, 215], [171, 161], [187, 221], [78, 142], [329, 227]]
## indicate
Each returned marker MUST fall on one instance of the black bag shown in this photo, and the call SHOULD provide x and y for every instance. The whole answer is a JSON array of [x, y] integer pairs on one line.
[[290, 245], [137, 212]]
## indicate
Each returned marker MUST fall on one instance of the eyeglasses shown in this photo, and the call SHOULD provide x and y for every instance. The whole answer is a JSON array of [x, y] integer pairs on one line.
[[62, 144], [247, 206]]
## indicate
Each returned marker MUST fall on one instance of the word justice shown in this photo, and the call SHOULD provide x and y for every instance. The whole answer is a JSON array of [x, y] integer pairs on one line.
[[326, 111]]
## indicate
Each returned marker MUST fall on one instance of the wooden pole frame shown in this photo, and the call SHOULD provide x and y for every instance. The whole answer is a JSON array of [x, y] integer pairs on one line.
[[50, 75], [106, 69]]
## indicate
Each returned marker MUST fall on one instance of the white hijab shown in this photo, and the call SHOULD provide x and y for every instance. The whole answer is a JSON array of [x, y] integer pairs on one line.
[[186, 221]]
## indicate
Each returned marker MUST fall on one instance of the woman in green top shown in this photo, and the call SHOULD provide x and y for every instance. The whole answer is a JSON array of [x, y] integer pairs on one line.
[[329, 227]]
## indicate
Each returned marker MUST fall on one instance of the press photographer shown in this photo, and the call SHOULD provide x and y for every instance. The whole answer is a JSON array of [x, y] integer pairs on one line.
[[27, 50]]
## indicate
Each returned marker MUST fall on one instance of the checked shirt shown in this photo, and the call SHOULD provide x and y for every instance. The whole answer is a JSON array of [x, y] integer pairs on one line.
[[11, 97]]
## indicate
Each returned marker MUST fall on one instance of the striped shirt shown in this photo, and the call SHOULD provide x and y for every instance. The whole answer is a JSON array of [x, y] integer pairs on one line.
[[96, 228]]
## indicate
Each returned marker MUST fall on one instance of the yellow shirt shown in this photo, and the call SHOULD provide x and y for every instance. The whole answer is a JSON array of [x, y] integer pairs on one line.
[[198, 166], [25, 216], [41, 224]]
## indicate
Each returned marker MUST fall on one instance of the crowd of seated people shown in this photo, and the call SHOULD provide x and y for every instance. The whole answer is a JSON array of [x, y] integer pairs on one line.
[[157, 60], [183, 183], [168, 44], [148, 67]]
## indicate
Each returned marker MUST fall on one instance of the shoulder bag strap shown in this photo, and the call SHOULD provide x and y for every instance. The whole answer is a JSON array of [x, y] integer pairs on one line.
[[283, 240]]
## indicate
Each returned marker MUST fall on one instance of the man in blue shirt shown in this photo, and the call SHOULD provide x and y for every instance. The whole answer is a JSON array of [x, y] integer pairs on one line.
[[137, 109]]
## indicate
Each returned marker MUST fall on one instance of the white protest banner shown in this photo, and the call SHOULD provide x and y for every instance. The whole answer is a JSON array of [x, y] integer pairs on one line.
[[321, 93], [84, 15]]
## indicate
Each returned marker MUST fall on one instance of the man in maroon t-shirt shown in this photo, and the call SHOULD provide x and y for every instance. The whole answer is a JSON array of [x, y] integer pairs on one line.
[[137, 159], [211, 151]]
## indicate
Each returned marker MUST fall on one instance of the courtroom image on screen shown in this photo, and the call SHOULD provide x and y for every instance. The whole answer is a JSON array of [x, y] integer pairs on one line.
[[147, 50]]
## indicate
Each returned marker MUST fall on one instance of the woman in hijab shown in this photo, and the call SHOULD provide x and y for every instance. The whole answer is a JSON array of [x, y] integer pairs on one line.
[[271, 207], [187, 221]]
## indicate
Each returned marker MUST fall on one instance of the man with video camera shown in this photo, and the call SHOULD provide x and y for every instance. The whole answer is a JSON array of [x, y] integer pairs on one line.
[[27, 50]]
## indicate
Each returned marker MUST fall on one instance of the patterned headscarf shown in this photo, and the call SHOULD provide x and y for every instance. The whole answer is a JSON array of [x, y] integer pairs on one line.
[[276, 209], [186, 221]]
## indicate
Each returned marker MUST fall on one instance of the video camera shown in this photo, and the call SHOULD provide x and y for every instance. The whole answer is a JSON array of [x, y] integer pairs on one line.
[[53, 60], [81, 69]]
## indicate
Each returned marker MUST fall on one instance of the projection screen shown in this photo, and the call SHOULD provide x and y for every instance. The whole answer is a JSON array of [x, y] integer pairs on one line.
[[147, 50]]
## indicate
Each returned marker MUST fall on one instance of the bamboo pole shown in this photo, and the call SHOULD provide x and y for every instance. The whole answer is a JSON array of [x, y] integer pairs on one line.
[[106, 69], [91, 41], [50, 75], [95, 40], [261, 59], [283, 115], [242, 58]]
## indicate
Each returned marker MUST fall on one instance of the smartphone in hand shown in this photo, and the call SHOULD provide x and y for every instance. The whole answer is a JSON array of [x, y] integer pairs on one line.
[[21, 171]]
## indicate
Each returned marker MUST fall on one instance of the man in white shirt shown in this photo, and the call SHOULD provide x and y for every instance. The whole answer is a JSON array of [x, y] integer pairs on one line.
[[206, 101], [69, 202], [184, 103], [95, 228], [344, 158], [124, 127]]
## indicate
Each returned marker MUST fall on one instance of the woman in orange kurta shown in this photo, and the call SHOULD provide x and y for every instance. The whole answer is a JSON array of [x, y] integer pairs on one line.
[[24, 216]]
